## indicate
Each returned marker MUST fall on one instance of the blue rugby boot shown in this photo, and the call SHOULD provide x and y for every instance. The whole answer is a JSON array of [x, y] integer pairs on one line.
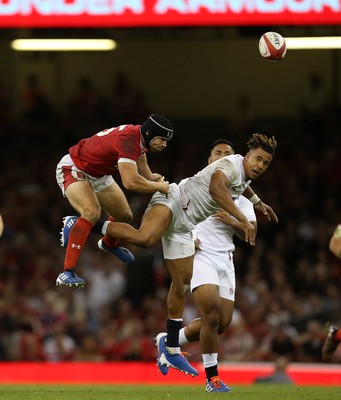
[[177, 361], [68, 223], [161, 348], [70, 278], [120, 252], [215, 384]]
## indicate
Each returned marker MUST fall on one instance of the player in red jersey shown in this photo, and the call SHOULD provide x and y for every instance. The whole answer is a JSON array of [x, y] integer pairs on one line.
[[85, 178], [331, 350]]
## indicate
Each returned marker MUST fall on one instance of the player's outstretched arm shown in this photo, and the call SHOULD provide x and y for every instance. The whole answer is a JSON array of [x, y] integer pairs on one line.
[[335, 242], [267, 211], [259, 205], [224, 217], [135, 182], [144, 170], [220, 193]]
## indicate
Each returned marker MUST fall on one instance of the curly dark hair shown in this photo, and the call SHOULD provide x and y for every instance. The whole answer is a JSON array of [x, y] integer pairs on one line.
[[264, 142]]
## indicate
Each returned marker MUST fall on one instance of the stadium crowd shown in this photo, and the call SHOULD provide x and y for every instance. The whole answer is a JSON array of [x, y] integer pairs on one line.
[[288, 285]]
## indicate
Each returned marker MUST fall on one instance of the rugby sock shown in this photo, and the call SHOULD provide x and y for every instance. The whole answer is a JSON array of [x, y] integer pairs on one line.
[[108, 240], [338, 335], [210, 362], [182, 337], [173, 328], [99, 227], [77, 239]]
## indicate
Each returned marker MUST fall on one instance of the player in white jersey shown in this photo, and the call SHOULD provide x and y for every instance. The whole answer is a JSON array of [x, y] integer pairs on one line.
[[172, 217], [213, 282]]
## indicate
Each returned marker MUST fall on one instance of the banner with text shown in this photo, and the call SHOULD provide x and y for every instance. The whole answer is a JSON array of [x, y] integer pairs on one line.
[[142, 13]]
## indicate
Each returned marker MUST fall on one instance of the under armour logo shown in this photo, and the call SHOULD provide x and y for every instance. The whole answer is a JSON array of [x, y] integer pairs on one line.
[[76, 246]]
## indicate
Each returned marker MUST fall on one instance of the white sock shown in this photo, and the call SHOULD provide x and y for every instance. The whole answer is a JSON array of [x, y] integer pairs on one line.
[[182, 337], [105, 227], [209, 360]]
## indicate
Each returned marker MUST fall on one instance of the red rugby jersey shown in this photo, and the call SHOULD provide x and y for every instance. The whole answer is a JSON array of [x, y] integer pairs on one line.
[[98, 155]]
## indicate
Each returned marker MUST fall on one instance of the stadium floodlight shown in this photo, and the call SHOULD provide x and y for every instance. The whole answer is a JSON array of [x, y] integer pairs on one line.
[[63, 44], [313, 43]]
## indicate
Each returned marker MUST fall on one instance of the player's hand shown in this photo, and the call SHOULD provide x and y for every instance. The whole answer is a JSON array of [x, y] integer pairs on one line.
[[164, 187], [267, 211], [197, 244], [250, 232], [224, 217], [157, 177]]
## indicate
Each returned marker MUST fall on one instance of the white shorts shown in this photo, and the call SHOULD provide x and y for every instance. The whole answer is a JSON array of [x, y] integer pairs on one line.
[[177, 242], [67, 173], [215, 269]]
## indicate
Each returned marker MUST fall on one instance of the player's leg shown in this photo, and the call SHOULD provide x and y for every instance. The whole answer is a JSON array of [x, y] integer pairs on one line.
[[83, 199], [181, 273], [154, 224], [215, 312], [209, 302], [191, 332], [330, 345], [114, 202], [169, 353]]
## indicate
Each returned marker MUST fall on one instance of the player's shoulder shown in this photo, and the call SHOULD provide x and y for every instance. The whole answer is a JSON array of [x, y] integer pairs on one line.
[[234, 158], [128, 129], [228, 161]]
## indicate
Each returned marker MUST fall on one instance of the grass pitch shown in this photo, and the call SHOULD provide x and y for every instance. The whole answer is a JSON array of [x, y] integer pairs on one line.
[[166, 392]]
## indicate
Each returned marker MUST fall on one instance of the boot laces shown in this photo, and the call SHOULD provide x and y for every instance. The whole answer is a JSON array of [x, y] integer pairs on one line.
[[215, 380]]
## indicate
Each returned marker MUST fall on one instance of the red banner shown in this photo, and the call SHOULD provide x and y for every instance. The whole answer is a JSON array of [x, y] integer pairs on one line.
[[139, 13]]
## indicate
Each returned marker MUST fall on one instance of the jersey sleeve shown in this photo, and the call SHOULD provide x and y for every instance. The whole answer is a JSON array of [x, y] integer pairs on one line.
[[227, 167], [247, 208], [128, 147]]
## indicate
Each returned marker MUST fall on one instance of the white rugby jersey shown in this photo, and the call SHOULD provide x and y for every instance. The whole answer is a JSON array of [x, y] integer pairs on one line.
[[195, 195], [217, 237]]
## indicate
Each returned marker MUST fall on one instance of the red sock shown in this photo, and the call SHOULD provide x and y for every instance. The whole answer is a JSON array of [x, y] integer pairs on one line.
[[108, 240], [77, 239], [338, 335]]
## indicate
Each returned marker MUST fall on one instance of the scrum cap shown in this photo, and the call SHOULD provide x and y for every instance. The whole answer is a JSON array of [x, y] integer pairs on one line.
[[156, 126]]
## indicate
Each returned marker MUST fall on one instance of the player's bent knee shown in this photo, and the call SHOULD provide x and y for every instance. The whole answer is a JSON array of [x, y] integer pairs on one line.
[[127, 218], [223, 326], [92, 214]]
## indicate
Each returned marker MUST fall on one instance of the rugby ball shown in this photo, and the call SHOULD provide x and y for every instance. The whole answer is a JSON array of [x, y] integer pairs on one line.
[[272, 46]]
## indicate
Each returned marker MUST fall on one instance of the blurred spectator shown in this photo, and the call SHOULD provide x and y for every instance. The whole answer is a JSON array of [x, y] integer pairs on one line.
[[279, 375], [241, 121], [237, 343], [89, 349], [36, 106], [59, 345], [315, 106], [310, 342], [83, 112], [5, 109]]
